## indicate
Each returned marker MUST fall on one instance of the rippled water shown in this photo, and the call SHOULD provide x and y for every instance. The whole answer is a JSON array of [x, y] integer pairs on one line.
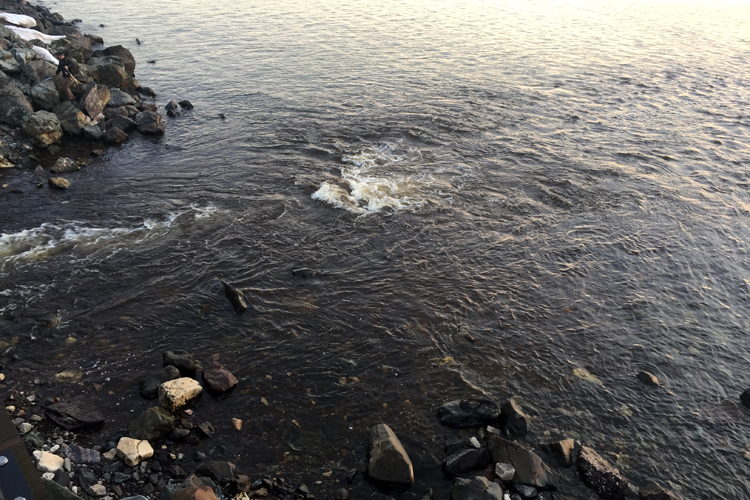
[[503, 197]]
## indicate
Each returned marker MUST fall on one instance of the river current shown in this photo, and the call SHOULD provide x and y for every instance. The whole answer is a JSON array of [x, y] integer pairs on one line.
[[530, 198]]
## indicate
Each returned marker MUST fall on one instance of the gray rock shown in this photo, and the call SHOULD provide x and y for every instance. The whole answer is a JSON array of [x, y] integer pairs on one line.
[[122, 122], [125, 56], [478, 488], [110, 71], [14, 106], [90, 101], [23, 55], [43, 127], [389, 465], [154, 423], [524, 491], [79, 455], [10, 65], [64, 165], [505, 471], [71, 118], [652, 491], [529, 466], [37, 71], [115, 136], [172, 106], [564, 451], [110, 113], [648, 379], [468, 413], [186, 104], [119, 98], [236, 297], [456, 443], [149, 387], [149, 122], [221, 472], [466, 460], [93, 132], [182, 360], [513, 421], [45, 95], [601, 477], [77, 413]]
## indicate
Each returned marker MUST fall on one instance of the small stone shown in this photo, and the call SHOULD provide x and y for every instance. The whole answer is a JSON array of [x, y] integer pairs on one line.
[[25, 427], [58, 183], [48, 462], [110, 455], [505, 471], [468, 413], [648, 379], [133, 451], [236, 424], [218, 378], [176, 393], [475, 442], [96, 490], [49, 476]]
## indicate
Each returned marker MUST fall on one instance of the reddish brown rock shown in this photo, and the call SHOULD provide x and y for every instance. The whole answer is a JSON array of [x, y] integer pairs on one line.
[[218, 378]]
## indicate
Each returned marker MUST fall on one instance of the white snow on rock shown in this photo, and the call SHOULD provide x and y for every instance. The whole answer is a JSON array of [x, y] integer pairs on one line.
[[28, 34], [46, 54], [18, 19]]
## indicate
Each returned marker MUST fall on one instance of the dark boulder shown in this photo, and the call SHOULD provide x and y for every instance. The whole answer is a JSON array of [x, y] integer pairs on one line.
[[154, 423], [43, 128], [182, 360], [221, 472], [468, 413], [45, 95], [115, 136], [149, 122], [601, 477], [71, 118], [14, 106], [77, 413], [564, 451], [125, 55], [457, 443], [92, 132], [186, 104], [79, 455], [218, 378], [530, 469], [466, 460], [148, 387], [389, 465], [513, 421], [119, 98], [652, 491], [122, 122], [172, 105], [478, 488], [109, 70], [236, 297], [745, 398]]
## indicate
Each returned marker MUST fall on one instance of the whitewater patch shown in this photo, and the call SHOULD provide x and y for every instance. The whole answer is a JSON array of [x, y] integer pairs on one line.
[[375, 177]]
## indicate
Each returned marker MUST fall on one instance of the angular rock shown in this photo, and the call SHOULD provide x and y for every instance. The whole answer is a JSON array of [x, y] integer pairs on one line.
[[90, 101], [79, 455], [48, 462], [14, 106], [43, 127], [115, 136], [218, 378], [10, 65], [96, 490], [564, 451], [513, 421], [186, 104], [134, 451], [176, 393], [478, 488], [71, 118], [529, 466], [456, 443], [64, 165], [195, 493], [207, 429], [77, 413], [149, 122], [505, 471], [125, 56], [154, 423], [110, 113], [466, 460], [172, 106], [45, 95], [122, 122], [236, 297], [601, 477], [389, 465], [104, 95], [652, 491], [524, 491], [38, 71], [93, 132], [648, 379], [119, 98], [221, 472], [149, 387], [182, 360], [109, 70], [468, 413], [131, 111]]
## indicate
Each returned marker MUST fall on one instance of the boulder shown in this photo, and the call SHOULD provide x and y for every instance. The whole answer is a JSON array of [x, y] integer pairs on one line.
[[195, 493], [148, 387], [529, 466], [131, 111], [564, 451], [125, 56], [108, 70], [172, 106], [23, 55], [90, 101], [45, 95], [64, 165], [221, 472], [75, 45], [176, 393], [14, 106], [149, 122], [468, 413], [134, 451], [43, 127], [154, 423], [9, 64], [122, 122], [4, 79], [478, 488], [389, 465], [77, 413], [218, 378], [119, 98], [110, 113], [601, 477], [48, 462], [466, 460], [93, 132], [79, 455], [58, 183], [186, 104], [182, 360], [457, 443], [115, 136], [652, 491], [38, 71], [71, 118], [648, 379], [513, 421]]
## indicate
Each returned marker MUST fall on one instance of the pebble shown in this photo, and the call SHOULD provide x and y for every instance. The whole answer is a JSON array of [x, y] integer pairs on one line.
[[25, 427], [475, 442], [49, 476], [36, 418], [54, 448], [236, 424]]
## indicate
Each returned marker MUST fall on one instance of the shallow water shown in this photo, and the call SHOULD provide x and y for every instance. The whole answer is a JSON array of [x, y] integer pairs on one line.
[[565, 183]]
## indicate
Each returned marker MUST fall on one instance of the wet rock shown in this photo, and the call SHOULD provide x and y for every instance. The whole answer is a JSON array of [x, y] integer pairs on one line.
[[468, 413], [90, 101], [172, 113], [389, 465], [478, 488], [745, 398], [207, 429], [71, 118], [45, 95], [43, 127], [96, 490], [457, 443], [524, 491], [176, 393], [195, 493], [110, 71], [172, 106], [64, 165], [93, 132], [9, 64], [182, 360], [77, 413], [115, 136], [79, 455], [34, 439], [727, 409], [236, 298], [529, 466], [513, 421], [149, 122], [600, 476], [304, 273], [122, 122], [152, 424], [221, 472], [58, 183], [146, 106], [186, 104], [219, 379], [134, 451], [48, 462], [149, 387], [652, 491], [648, 379], [125, 56], [466, 460], [38, 71], [118, 98], [564, 451], [178, 434]]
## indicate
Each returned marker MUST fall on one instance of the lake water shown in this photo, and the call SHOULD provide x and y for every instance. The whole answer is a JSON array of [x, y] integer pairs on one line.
[[537, 198]]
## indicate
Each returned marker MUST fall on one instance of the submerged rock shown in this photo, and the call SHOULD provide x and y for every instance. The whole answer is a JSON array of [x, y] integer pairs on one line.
[[236, 297], [601, 477], [77, 413], [745, 398], [478, 488], [154, 423], [652, 491], [218, 378], [648, 379], [149, 387], [389, 465], [182, 360], [468, 413]]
